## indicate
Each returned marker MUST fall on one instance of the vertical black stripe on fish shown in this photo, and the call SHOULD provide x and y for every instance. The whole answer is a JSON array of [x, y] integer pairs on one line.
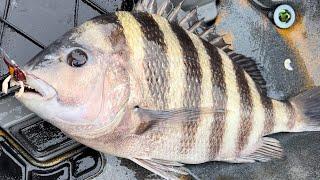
[[156, 63], [116, 37], [219, 99], [193, 85], [246, 115], [106, 19], [291, 114], [269, 121]]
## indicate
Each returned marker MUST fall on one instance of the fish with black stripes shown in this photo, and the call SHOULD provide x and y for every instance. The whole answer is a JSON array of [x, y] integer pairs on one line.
[[148, 86]]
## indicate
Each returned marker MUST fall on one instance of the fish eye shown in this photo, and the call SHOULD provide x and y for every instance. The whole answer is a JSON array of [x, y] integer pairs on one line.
[[77, 58]]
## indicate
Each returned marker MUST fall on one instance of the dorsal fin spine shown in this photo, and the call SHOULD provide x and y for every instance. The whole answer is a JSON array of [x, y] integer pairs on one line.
[[188, 16], [151, 6], [196, 25], [207, 31], [163, 7], [175, 12], [216, 40]]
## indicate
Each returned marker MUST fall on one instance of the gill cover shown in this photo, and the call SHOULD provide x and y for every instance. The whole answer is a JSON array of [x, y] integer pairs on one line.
[[86, 69]]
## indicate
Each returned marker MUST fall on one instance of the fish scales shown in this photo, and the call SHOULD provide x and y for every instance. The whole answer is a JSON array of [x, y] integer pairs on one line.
[[232, 119], [219, 98], [246, 115], [176, 69], [157, 73], [269, 122], [193, 85], [176, 83], [259, 116], [144, 77], [136, 45], [281, 116], [203, 133], [155, 61], [292, 115]]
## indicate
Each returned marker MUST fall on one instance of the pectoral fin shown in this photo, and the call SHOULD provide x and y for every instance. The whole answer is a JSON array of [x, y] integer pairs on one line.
[[153, 118]]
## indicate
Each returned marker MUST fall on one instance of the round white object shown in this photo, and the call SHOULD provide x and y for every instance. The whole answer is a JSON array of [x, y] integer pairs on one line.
[[278, 22], [287, 64]]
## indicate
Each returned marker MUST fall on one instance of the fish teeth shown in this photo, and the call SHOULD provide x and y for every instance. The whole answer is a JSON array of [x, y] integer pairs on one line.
[[29, 87], [21, 90], [8, 81], [5, 84], [13, 83]]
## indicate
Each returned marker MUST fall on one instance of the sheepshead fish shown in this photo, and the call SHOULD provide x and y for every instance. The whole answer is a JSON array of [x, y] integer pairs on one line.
[[156, 91]]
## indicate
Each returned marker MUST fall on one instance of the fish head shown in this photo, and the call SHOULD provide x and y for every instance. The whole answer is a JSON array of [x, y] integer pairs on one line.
[[80, 82]]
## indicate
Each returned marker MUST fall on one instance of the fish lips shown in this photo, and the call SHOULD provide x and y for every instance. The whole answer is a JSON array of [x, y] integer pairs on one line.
[[41, 90]]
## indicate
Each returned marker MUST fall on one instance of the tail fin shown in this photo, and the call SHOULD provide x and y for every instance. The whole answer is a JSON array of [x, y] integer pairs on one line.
[[308, 103]]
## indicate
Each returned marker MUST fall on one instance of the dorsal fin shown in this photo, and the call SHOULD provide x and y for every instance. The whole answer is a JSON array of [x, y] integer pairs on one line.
[[191, 23], [251, 67]]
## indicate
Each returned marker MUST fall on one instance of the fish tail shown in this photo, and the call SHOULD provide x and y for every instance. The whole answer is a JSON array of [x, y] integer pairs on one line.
[[308, 103]]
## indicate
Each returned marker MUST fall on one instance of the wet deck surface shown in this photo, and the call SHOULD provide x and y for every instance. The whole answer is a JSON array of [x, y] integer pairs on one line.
[[249, 32]]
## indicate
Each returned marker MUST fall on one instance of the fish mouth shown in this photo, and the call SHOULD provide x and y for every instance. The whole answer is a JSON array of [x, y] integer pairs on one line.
[[36, 89]]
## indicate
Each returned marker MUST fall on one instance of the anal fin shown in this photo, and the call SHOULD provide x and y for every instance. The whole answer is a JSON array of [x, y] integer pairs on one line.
[[268, 148], [165, 169]]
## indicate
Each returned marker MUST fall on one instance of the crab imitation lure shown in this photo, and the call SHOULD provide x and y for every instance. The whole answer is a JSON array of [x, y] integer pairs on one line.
[[16, 75]]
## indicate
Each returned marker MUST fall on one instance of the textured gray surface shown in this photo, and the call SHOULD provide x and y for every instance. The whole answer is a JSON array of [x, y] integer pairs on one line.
[[253, 34]]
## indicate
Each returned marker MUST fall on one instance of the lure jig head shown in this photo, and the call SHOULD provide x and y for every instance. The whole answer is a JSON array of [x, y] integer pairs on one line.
[[15, 74]]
